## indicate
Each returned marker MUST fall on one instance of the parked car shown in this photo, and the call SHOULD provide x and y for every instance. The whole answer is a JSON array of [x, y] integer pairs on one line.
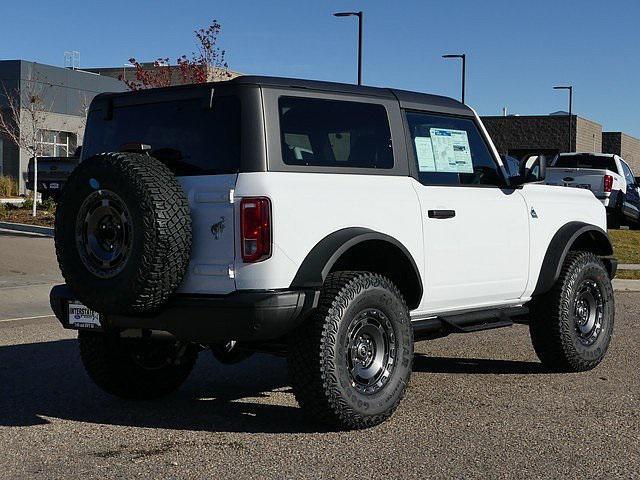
[[608, 176], [332, 224], [53, 173]]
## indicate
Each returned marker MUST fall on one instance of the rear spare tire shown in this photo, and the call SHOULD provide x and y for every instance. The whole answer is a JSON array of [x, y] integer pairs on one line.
[[123, 233]]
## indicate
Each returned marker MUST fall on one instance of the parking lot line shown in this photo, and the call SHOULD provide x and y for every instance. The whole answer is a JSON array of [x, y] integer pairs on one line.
[[25, 318]]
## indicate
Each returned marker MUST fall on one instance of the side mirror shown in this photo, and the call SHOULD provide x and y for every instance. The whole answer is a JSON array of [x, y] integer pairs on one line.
[[533, 168]]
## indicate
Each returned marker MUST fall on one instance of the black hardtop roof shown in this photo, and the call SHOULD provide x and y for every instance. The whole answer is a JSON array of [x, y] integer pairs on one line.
[[407, 99]]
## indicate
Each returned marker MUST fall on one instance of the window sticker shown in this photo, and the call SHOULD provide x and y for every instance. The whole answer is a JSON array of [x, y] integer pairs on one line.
[[451, 150], [424, 151]]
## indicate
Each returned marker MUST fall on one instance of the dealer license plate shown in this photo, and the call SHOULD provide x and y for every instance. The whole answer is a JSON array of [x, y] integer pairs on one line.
[[82, 317]]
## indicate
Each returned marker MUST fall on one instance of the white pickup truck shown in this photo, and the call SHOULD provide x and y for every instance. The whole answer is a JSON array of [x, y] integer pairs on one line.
[[608, 176]]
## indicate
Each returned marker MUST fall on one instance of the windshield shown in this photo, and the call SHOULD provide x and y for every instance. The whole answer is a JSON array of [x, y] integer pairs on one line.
[[188, 137], [586, 161]]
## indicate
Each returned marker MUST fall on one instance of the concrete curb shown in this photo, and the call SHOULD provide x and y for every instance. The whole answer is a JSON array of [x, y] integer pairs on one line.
[[622, 285], [12, 201], [25, 228], [628, 266]]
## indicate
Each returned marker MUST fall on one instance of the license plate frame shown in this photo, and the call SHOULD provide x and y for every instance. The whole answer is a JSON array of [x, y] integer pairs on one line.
[[80, 317]]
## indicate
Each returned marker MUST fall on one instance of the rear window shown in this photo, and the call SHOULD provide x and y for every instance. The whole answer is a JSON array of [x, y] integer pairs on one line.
[[189, 138], [586, 161], [330, 133]]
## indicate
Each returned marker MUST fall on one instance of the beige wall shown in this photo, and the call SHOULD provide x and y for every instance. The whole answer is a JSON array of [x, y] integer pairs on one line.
[[630, 151], [588, 136]]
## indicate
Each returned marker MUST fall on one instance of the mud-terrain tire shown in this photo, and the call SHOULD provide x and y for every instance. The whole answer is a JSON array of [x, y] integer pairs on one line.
[[331, 355], [135, 368], [571, 325], [123, 233]]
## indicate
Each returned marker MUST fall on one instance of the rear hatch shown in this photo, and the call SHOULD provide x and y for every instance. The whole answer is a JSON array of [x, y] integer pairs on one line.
[[581, 171], [199, 140]]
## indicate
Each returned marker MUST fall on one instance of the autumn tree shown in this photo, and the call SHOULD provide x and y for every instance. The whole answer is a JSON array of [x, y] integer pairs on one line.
[[208, 64]]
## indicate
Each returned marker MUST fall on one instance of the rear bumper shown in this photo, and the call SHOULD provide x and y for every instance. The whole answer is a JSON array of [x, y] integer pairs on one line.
[[243, 315]]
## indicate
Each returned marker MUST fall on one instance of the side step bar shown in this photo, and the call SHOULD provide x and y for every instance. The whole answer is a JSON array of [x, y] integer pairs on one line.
[[443, 325]]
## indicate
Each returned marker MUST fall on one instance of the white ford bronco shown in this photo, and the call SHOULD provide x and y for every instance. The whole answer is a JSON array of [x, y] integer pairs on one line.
[[332, 224]]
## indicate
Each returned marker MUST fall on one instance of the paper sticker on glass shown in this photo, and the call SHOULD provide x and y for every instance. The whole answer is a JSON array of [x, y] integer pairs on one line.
[[424, 152], [451, 150]]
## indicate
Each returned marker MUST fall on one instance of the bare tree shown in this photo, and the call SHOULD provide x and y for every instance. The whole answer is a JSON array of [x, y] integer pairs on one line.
[[23, 122], [85, 103]]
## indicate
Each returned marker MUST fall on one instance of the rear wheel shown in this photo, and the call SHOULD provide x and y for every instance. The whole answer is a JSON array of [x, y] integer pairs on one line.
[[351, 362], [136, 368], [571, 326]]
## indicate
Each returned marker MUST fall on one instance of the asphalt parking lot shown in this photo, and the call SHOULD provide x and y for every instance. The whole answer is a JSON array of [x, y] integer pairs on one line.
[[479, 406]]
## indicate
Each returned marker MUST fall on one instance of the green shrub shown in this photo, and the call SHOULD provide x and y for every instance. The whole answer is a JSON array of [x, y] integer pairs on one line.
[[49, 205], [8, 186], [28, 203], [3, 210]]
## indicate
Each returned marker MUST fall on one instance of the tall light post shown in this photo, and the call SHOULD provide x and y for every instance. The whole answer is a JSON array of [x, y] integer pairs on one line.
[[359, 15], [463, 57], [570, 88]]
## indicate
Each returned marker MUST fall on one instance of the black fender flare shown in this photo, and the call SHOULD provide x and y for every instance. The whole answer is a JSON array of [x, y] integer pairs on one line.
[[323, 256], [559, 247]]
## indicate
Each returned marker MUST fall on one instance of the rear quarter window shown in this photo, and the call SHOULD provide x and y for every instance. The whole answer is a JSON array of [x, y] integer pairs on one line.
[[188, 137], [333, 133]]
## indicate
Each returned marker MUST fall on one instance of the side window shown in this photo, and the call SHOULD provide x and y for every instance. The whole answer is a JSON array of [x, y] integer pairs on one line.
[[330, 133], [451, 151]]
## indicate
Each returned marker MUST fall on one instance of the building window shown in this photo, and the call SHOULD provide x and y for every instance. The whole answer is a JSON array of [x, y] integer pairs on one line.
[[57, 144]]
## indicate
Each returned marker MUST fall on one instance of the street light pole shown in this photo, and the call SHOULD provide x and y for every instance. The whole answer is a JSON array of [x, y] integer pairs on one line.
[[360, 18], [570, 89], [463, 57]]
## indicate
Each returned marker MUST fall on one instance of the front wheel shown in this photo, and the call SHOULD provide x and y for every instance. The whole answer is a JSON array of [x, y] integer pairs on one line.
[[136, 368], [351, 362], [571, 326]]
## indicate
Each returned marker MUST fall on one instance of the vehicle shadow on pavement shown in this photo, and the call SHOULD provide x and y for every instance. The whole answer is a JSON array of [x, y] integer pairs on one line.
[[428, 364], [41, 380]]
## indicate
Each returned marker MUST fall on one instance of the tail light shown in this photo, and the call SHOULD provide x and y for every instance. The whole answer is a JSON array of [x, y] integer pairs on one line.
[[608, 183], [255, 228]]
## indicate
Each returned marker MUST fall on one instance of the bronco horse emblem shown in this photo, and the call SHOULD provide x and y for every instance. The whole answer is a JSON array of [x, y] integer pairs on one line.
[[217, 228]]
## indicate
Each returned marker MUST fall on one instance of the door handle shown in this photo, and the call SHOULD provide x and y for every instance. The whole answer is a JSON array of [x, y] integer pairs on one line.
[[441, 213]]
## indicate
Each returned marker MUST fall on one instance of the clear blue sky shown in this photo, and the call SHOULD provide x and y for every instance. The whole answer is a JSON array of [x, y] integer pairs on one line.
[[517, 50]]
